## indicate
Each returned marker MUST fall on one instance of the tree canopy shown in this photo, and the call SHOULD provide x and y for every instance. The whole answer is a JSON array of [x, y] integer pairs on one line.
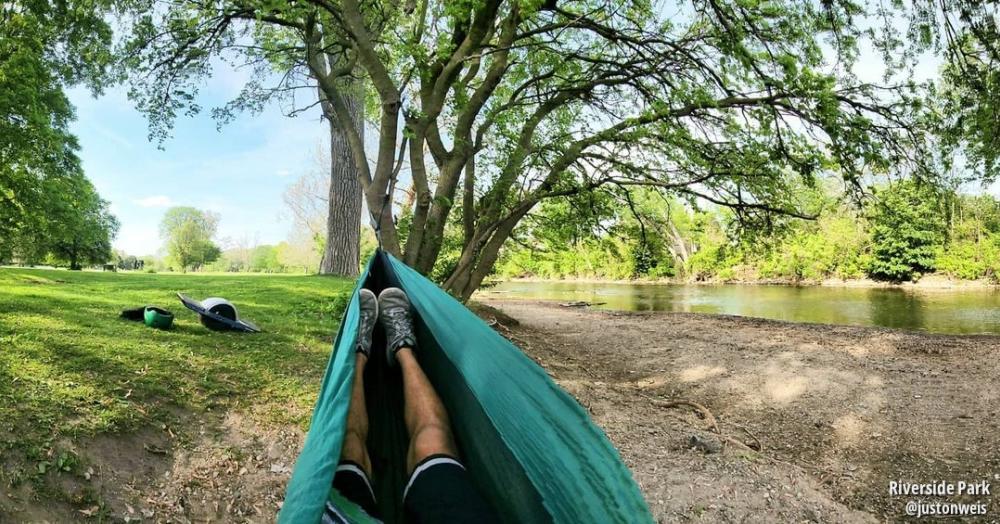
[[908, 226], [46, 204], [966, 34], [80, 226], [494, 107]]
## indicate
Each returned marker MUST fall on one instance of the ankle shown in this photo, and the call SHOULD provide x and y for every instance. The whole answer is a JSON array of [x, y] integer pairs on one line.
[[405, 354], [353, 449]]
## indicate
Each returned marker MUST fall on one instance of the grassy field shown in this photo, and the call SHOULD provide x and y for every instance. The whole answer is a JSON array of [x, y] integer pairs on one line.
[[71, 369]]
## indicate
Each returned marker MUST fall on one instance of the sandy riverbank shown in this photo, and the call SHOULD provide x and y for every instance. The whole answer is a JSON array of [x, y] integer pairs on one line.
[[814, 420]]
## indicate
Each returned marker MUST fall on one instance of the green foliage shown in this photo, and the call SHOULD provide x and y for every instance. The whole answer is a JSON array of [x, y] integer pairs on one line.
[[973, 250], [714, 255], [368, 245], [901, 233], [567, 239], [740, 104], [45, 47], [298, 257], [82, 227], [70, 226], [963, 111], [451, 252], [971, 260], [832, 247], [907, 229], [265, 260], [589, 258], [188, 234]]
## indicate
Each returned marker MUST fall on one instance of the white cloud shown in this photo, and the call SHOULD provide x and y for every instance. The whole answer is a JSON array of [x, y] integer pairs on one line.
[[155, 201], [283, 172]]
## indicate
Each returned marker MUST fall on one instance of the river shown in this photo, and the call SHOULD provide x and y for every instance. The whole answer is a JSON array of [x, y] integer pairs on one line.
[[940, 311]]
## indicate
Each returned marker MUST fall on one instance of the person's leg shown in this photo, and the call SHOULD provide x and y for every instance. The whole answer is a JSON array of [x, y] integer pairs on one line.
[[426, 418], [439, 488], [355, 447], [353, 476]]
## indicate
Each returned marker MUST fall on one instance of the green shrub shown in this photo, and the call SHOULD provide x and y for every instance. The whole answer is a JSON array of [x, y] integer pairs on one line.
[[907, 223]]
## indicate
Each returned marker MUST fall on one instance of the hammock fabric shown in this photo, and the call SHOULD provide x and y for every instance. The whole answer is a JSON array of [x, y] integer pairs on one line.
[[529, 447]]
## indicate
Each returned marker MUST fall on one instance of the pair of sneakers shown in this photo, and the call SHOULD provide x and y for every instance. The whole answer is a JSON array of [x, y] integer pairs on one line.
[[392, 309]]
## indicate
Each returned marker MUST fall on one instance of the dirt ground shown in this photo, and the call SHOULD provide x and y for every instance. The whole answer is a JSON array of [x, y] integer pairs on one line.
[[209, 468], [808, 423], [814, 421]]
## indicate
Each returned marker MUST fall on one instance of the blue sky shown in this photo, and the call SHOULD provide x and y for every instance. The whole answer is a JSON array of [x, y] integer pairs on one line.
[[239, 171]]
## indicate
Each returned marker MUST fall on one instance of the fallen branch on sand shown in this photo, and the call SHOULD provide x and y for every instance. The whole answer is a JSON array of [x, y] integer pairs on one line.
[[581, 303], [508, 333], [711, 420], [705, 413], [760, 445]]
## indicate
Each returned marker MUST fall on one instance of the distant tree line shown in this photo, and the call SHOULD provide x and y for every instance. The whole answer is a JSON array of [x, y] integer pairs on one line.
[[189, 244], [283, 257], [899, 232]]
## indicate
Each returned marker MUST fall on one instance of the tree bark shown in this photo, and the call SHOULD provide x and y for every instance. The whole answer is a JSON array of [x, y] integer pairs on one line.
[[421, 200], [437, 217], [469, 200], [479, 257], [343, 221]]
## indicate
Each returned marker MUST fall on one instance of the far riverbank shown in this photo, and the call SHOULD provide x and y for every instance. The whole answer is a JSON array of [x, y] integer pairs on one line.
[[926, 283]]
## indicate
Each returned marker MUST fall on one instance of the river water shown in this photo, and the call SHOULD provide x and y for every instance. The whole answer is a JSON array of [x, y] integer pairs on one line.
[[938, 311]]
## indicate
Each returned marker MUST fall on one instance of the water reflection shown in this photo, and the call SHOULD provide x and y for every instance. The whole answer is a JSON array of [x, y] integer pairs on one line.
[[895, 308], [966, 311]]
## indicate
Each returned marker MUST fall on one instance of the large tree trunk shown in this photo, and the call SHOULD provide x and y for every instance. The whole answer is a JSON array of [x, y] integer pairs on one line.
[[343, 220]]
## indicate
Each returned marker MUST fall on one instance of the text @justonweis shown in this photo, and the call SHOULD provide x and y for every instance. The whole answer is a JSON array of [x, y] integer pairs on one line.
[[970, 498]]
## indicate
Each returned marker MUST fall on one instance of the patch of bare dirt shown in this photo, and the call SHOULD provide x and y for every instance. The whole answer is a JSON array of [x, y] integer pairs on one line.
[[224, 468], [812, 421], [236, 472]]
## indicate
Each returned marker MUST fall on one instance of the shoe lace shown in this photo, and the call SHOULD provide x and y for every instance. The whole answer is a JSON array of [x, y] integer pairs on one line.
[[399, 326], [367, 323], [366, 318]]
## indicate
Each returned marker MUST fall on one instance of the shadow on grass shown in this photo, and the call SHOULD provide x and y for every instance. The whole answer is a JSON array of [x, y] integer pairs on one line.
[[72, 368]]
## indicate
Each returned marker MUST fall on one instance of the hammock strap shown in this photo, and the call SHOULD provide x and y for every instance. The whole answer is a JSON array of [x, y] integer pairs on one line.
[[375, 220]]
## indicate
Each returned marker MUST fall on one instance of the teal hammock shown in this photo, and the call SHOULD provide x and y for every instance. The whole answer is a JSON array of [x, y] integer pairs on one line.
[[529, 447]]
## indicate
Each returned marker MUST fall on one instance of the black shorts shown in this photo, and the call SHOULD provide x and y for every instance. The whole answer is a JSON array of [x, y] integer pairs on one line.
[[439, 490]]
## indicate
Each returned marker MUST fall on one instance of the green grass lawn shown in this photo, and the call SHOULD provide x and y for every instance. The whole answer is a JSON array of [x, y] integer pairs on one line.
[[70, 368]]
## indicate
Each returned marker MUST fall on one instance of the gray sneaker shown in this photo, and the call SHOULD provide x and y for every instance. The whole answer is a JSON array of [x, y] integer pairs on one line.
[[394, 313], [369, 315]]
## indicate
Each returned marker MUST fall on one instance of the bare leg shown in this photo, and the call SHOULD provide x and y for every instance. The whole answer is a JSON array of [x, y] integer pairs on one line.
[[425, 415], [355, 448]]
